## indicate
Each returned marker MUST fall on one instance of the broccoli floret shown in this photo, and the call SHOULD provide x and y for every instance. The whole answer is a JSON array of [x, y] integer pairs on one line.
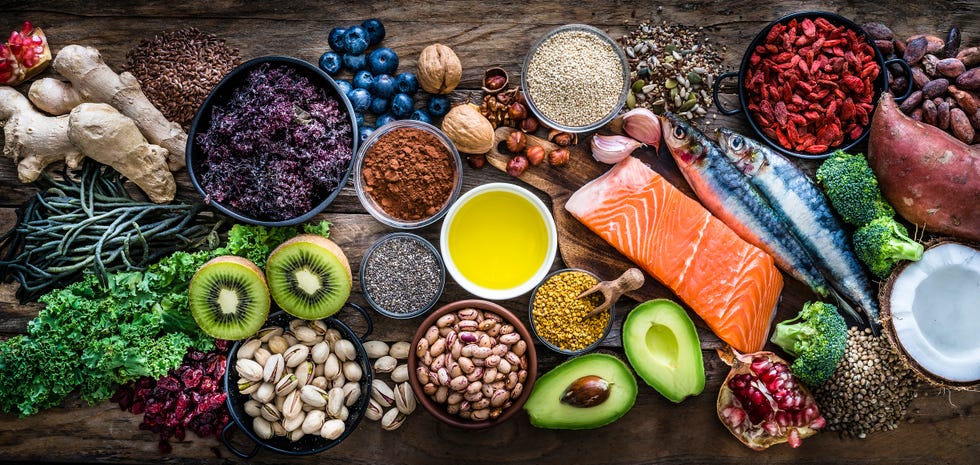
[[817, 337], [882, 243], [852, 188]]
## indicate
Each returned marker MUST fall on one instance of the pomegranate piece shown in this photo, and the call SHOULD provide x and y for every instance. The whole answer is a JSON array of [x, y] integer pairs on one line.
[[24, 55], [763, 404]]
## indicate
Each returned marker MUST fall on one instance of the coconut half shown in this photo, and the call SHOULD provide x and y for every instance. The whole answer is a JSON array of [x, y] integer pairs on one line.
[[931, 311]]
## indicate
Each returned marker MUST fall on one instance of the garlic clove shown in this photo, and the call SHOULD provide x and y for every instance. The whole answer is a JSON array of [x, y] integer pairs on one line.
[[643, 125], [612, 149]]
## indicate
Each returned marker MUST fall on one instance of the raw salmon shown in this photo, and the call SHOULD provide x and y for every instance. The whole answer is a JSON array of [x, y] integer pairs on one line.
[[732, 285]]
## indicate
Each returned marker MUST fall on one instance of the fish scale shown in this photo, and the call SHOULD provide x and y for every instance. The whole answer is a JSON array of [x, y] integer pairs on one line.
[[723, 190]]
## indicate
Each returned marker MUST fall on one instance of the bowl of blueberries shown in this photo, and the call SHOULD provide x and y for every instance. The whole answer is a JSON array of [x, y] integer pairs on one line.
[[367, 73]]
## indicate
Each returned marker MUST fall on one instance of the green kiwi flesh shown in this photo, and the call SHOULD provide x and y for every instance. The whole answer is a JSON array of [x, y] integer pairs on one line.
[[228, 298], [309, 277]]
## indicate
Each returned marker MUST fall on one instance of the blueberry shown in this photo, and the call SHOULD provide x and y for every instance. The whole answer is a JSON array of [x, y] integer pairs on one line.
[[330, 63], [379, 105], [355, 39], [438, 106], [363, 79], [402, 105], [383, 86], [345, 86], [407, 83], [421, 115], [384, 119], [360, 99], [359, 119], [375, 31], [363, 132], [336, 40], [354, 63], [383, 60]]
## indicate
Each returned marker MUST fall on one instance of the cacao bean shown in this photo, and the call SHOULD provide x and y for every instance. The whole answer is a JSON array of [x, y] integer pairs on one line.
[[915, 49], [952, 42], [878, 31], [919, 77], [929, 63], [950, 67], [960, 126], [935, 88], [899, 84], [969, 80], [969, 56], [899, 47], [942, 116], [929, 112], [965, 99], [886, 47], [911, 103]]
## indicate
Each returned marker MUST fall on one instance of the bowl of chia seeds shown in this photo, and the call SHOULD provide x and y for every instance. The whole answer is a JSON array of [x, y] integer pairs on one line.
[[575, 78], [402, 275]]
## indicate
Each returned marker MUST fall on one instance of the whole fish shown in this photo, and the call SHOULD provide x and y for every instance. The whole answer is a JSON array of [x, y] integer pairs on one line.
[[723, 190], [807, 213]]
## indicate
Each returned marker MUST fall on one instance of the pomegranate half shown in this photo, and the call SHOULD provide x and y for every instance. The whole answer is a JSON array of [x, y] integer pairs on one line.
[[763, 404], [24, 55]]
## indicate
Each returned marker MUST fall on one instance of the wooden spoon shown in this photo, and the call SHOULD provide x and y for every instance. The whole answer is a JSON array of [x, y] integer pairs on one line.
[[631, 280]]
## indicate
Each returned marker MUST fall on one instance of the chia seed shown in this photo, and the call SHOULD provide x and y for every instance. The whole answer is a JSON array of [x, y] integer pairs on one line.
[[402, 276]]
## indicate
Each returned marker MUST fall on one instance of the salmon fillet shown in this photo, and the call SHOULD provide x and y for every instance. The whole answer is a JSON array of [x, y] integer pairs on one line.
[[732, 285]]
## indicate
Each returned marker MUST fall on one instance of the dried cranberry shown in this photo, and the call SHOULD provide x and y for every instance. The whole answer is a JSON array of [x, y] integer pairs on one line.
[[169, 383], [138, 407]]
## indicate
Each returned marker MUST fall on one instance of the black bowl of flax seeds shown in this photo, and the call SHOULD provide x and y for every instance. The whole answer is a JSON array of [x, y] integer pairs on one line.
[[402, 275]]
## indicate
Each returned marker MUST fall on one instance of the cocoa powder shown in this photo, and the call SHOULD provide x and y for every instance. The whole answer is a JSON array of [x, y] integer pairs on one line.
[[409, 173]]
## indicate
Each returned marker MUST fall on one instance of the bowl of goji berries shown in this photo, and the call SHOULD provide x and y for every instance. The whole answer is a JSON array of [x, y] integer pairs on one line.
[[809, 83]]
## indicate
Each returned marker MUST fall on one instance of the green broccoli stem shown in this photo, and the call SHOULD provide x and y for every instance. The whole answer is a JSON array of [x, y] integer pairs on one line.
[[787, 335], [905, 249]]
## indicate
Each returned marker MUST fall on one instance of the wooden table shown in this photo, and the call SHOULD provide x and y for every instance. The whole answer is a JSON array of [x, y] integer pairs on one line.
[[942, 427]]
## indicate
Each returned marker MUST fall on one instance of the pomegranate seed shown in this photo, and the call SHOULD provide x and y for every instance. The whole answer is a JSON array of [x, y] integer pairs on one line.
[[794, 438], [760, 365]]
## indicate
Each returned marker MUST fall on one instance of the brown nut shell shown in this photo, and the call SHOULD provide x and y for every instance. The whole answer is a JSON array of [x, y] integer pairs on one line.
[[469, 130], [439, 69]]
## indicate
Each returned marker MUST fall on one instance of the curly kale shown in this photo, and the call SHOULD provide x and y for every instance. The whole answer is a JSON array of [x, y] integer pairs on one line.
[[882, 243], [852, 188], [817, 337]]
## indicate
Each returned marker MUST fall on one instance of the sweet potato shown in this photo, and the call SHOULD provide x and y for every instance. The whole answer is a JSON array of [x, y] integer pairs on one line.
[[930, 177]]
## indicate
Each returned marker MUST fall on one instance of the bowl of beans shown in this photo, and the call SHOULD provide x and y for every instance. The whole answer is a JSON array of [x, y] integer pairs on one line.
[[402, 275], [559, 318], [809, 83], [575, 78], [474, 364], [407, 173]]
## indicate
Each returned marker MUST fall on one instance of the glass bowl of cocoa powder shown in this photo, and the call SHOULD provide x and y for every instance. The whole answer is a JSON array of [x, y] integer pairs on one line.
[[407, 174]]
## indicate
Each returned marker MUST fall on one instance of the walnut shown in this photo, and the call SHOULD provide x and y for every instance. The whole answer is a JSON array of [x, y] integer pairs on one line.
[[439, 69]]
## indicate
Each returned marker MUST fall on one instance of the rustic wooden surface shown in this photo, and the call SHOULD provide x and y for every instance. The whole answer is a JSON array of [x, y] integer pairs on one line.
[[942, 427]]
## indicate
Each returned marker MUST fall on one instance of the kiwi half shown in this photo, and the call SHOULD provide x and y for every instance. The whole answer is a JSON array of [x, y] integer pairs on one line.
[[309, 277], [228, 298]]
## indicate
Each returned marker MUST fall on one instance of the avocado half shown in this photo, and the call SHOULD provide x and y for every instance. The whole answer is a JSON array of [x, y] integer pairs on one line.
[[547, 410], [662, 345]]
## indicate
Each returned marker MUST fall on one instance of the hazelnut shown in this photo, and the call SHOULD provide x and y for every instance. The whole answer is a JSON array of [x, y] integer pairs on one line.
[[563, 139], [558, 157], [517, 165], [516, 142], [517, 111], [535, 155], [530, 124], [476, 161]]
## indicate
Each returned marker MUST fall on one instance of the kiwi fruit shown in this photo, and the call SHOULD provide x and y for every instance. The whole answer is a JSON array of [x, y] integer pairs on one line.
[[228, 298], [309, 277]]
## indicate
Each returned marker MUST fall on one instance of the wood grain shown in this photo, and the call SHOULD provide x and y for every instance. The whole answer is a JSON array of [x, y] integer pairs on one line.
[[942, 427]]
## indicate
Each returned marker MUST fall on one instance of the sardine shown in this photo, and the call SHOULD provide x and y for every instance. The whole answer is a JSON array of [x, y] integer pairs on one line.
[[807, 213], [724, 191]]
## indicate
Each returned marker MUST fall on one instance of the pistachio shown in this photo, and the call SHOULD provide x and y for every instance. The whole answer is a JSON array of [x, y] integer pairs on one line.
[[248, 369], [314, 396], [262, 428], [400, 373], [331, 367], [294, 423], [295, 435], [353, 371], [252, 407], [292, 404], [277, 344], [332, 336], [295, 355], [320, 382], [376, 349], [265, 334], [278, 430], [392, 419], [339, 381], [345, 350], [385, 364], [261, 355], [332, 429], [307, 335], [374, 410], [265, 393], [320, 351], [319, 326], [404, 398], [286, 384], [335, 401], [352, 392], [399, 350], [247, 387], [270, 412], [247, 350], [313, 422], [304, 373], [290, 338], [382, 393], [274, 368]]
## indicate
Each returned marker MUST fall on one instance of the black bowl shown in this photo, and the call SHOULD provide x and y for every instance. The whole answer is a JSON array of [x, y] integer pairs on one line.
[[308, 444], [880, 82], [222, 93]]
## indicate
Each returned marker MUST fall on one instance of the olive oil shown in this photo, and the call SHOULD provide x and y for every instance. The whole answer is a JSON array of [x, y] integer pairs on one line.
[[498, 240]]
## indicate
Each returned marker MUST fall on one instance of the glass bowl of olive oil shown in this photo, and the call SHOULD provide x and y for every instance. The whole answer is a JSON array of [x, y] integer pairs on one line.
[[498, 241]]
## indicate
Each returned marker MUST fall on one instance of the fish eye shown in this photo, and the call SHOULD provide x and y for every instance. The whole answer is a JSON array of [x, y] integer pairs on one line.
[[679, 132], [737, 143]]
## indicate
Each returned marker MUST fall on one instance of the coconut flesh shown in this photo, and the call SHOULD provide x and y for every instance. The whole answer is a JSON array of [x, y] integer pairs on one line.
[[934, 307]]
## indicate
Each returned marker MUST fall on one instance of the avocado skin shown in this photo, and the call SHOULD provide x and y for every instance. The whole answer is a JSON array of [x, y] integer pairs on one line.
[[674, 366], [544, 406]]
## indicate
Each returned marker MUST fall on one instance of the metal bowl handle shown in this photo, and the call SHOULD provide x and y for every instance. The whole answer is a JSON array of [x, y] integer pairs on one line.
[[226, 432], [908, 72], [367, 318], [714, 94]]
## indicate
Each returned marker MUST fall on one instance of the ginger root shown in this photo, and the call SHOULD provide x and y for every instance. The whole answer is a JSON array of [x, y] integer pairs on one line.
[[53, 96], [111, 138], [96, 82], [32, 139]]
